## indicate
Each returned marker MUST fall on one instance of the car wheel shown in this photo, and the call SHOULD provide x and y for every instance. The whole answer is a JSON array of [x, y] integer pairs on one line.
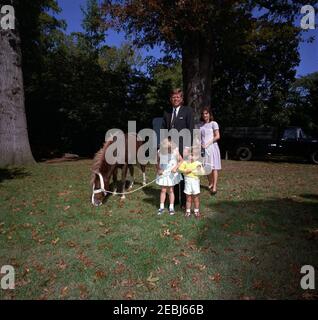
[[314, 157], [244, 153]]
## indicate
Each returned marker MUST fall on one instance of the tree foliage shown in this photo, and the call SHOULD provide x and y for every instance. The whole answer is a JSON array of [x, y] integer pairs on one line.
[[240, 57]]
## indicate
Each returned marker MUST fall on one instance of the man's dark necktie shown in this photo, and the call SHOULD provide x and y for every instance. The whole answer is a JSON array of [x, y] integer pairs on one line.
[[174, 118]]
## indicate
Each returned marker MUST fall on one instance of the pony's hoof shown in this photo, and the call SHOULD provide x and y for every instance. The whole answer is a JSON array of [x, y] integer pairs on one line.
[[123, 198], [144, 183], [130, 186]]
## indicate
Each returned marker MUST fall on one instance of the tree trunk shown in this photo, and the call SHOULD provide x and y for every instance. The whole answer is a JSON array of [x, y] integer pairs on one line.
[[197, 58], [14, 141]]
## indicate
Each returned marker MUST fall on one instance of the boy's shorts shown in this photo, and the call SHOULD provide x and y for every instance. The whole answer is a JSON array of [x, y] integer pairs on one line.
[[192, 186]]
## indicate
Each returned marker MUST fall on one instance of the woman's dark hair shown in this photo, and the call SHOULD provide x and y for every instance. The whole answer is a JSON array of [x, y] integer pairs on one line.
[[206, 109]]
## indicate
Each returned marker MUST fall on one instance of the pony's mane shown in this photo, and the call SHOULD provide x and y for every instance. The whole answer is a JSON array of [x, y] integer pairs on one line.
[[99, 160]]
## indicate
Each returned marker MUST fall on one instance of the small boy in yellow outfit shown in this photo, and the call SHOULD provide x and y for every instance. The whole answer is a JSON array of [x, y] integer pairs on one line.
[[191, 170]]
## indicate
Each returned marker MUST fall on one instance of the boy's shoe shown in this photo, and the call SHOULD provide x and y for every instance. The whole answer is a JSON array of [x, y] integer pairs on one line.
[[160, 212], [171, 212]]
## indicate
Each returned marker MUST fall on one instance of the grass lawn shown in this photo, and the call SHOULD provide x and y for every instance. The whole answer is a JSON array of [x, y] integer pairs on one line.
[[251, 243]]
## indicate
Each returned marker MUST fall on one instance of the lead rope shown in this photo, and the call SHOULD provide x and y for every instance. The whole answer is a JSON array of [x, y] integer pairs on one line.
[[102, 189]]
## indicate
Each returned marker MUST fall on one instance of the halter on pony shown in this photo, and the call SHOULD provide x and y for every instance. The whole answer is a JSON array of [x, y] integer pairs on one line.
[[101, 189]]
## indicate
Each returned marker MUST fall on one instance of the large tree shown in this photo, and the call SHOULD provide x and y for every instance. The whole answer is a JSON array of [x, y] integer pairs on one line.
[[14, 141], [191, 29]]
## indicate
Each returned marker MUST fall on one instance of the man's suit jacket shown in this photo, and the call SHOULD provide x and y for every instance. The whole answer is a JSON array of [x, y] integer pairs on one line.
[[185, 120]]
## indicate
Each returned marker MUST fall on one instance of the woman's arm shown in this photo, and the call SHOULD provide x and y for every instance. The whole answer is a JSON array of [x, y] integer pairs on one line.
[[216, 137]]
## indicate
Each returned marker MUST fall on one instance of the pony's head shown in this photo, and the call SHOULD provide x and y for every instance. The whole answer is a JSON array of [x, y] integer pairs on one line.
[[99, 182], [99, 193]]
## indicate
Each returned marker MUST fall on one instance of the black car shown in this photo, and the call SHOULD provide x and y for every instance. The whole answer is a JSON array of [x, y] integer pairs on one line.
[[246, 143]]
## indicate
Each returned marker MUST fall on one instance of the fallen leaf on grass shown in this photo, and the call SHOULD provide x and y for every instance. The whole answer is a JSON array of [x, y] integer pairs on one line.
[[27, 225], [200, 267], [64, 193], [54, 242], [71, 244], [176, 261], [166, 233], [151, 280], [84, 259], [120, 268], [184, 254], [39, 268], [244, 258], [217, 277], [61, 265], [192, 246], [237, 281], [258, 284], [177, 237], [309, 296], [66, 208], [129, 295], [247, 298], [106, 230], [99, 274], [61, 224], [64, 292], [174, 284], [83, 292], [26, 271], [128, 283]]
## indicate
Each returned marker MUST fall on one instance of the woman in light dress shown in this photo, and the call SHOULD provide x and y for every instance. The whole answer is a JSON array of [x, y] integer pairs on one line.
[[210, 134]]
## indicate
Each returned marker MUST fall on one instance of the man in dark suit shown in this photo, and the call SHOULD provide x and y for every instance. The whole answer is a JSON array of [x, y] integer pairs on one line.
[[179, 117]]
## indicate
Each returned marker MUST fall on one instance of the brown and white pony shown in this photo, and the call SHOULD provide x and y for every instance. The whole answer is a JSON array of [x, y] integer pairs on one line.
[[103, 171]]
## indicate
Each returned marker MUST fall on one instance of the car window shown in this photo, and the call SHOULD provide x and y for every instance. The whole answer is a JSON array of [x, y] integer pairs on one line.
[[290, 133]]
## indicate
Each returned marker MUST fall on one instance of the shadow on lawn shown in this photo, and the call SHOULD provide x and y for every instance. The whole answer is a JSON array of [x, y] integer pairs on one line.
[[152, 195], [259, 246], [12, 173]]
